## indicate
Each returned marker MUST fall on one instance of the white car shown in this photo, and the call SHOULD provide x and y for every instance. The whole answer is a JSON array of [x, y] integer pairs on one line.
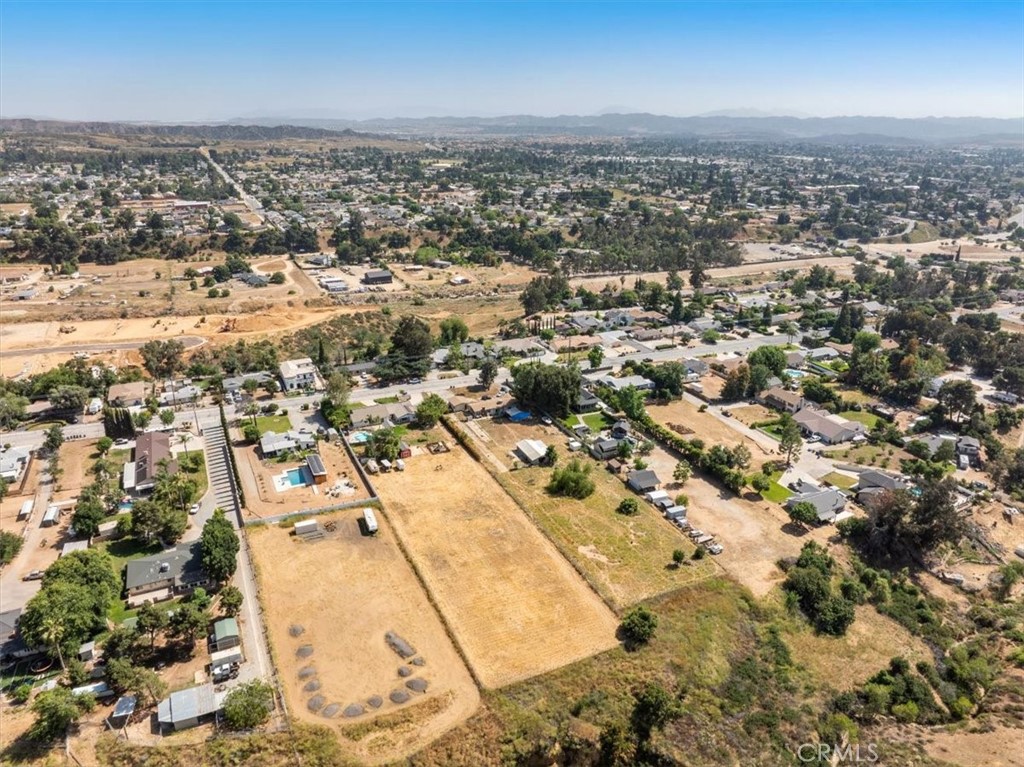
[[194, 509]]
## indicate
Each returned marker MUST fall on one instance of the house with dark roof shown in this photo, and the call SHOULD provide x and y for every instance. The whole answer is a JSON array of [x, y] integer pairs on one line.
[[829, 428], [152, 455], [12, 646], [782, 399], [643, 481], [603, 449], [177, 570], [586, 402]]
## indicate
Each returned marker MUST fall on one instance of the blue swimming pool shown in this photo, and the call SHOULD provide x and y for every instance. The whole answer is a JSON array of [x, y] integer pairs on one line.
[[359, 437], [297, 477], [795, 373], [124, 506]]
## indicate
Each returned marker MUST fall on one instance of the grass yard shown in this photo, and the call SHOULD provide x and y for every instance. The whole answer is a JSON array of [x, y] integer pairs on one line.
[[275, 423], [773, 430], [777, 493], [861, 416], [597, 421], [386, 400], [626, 558], [122, 550], [881, 456], [194, 465], [841, 481]]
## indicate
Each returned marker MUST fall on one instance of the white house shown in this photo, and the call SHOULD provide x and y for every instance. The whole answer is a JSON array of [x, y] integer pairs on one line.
[[13, 461], [298, 374]]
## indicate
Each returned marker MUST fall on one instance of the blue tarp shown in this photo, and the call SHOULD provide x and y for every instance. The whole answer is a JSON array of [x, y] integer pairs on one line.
[[515, 414]]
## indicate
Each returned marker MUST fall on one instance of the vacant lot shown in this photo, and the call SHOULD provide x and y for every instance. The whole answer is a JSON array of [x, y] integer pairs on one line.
[[346, 592], [515, 605], [751, 414], [626, 558], [694, 424]]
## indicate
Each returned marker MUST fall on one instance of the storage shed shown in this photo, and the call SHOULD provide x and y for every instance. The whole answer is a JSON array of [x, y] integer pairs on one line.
[[188, 708], [306, 527], [370, 520], [225, 634]]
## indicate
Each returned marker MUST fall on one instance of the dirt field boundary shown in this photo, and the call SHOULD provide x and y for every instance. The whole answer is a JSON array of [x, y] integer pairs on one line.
[[461, 434], [371, 501]]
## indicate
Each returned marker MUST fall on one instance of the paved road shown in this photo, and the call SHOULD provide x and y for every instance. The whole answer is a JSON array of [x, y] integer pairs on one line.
[[251, 202], [189, 342], [14, 592]]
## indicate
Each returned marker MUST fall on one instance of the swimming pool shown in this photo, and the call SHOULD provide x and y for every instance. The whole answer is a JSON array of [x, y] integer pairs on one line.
[[297, 477], [359, 437], [124, 506], [795, 373]]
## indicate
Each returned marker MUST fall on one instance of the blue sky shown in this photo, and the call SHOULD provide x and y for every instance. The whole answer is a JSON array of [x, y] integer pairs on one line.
[[184, 60]]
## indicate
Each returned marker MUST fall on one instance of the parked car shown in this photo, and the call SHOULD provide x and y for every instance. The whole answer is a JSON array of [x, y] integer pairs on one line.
[[546, 420], [34, 575], [194, 509]]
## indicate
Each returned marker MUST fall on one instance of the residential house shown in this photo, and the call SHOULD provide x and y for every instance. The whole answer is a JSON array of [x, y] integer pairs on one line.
[[827, 503], [603, 449], [234, 384], [531, 451], [13, 462], [298, 374], [253, 280], [394, 413], [874, 483], [586, 402], [643, 481], [523, 347], [152, 455], [130, 394], [830, 429], [620, 429], [272, 443], [179, 395], [161, 576], [12, 646], [618, 384], [782, 399]]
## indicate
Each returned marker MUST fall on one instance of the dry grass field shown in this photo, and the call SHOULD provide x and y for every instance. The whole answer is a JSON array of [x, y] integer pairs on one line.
[[706, 427], [516, 607], [626, 558], [346, 591]]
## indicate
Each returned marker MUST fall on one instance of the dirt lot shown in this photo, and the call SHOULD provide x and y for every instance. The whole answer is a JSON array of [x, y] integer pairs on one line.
[[346, 591], [751, 414], [755, 534], [706, 427], [626, 558], [517, 608], [263, 500], [502, 276]]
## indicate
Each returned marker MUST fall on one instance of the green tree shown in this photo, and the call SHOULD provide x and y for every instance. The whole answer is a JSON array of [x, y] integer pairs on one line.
[[10, 545], [383, 444], [488, 372], [230, 600], [277, 278], [678, 557], [162, 359], [772, 357], [790, 440], [152, 620], [638, 626], [454, 330], [682, 472], [104, 444], [654, 708], [166, 416], [632, 402], [144, 684], [803, 513], [957, 397], [430, 410], [552, 389], [189, 622], [338, 389], [760, 483], [60, 617], [572, 481], [248, 705], [595, 356], [55, 711], [90, 511], [220, 546], [12, 410], [54, 439], [69, 397]]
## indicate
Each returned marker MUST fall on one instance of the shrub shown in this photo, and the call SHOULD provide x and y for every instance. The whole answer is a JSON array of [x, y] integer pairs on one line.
[[22, 693], [639, 625], [572, 481], [248, 705], [906, 712], [628, 506]]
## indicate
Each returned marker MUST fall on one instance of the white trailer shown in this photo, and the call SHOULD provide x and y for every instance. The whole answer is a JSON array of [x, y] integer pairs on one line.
[[655, 495], [26, 509], [370, 520], [306, 527], [675, 512], [51, 516]]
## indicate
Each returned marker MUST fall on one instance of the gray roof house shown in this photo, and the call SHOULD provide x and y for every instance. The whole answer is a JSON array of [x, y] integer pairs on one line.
[[13, 461], [272, 443], [831, 429], [162, 576], [827, 503], [643, 480], [531, 450], [968, 446], [604, 449], [152, 454], [394, 412], [618, 384]]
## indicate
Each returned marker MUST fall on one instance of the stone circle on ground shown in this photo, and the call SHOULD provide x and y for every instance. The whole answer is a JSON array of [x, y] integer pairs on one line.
[[419, 685], [316, 703], [354, 710], [399, 696], [331, 710]]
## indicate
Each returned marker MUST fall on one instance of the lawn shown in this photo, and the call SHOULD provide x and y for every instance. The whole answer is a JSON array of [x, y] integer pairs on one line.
[[776, 493], [386, 400], [773, 430], [596, 420], [275, 423], [883, 456], [122, 550], [841, 481], [862, 416], [194, 465], [625, 558]]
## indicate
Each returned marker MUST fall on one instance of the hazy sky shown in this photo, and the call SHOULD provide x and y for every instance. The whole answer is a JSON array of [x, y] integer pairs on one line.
[[190, 61]]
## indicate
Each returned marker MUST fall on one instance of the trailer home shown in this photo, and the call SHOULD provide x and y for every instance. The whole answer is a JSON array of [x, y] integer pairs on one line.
[[370, 520]]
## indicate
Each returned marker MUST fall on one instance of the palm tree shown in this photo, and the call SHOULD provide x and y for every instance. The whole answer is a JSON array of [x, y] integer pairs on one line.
[[251, 410], [184, 438], [53, 635], [790, 329]]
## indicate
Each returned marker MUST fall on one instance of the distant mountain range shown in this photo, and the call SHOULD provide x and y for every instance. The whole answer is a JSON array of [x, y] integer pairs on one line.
[[831, 130], [717, 126], [215, 132]]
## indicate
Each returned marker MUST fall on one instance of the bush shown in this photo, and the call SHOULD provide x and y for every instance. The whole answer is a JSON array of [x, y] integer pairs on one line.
[[249, 705], [639, 625], [572, 481], [906, 712], [628, 506], [22, 693]]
